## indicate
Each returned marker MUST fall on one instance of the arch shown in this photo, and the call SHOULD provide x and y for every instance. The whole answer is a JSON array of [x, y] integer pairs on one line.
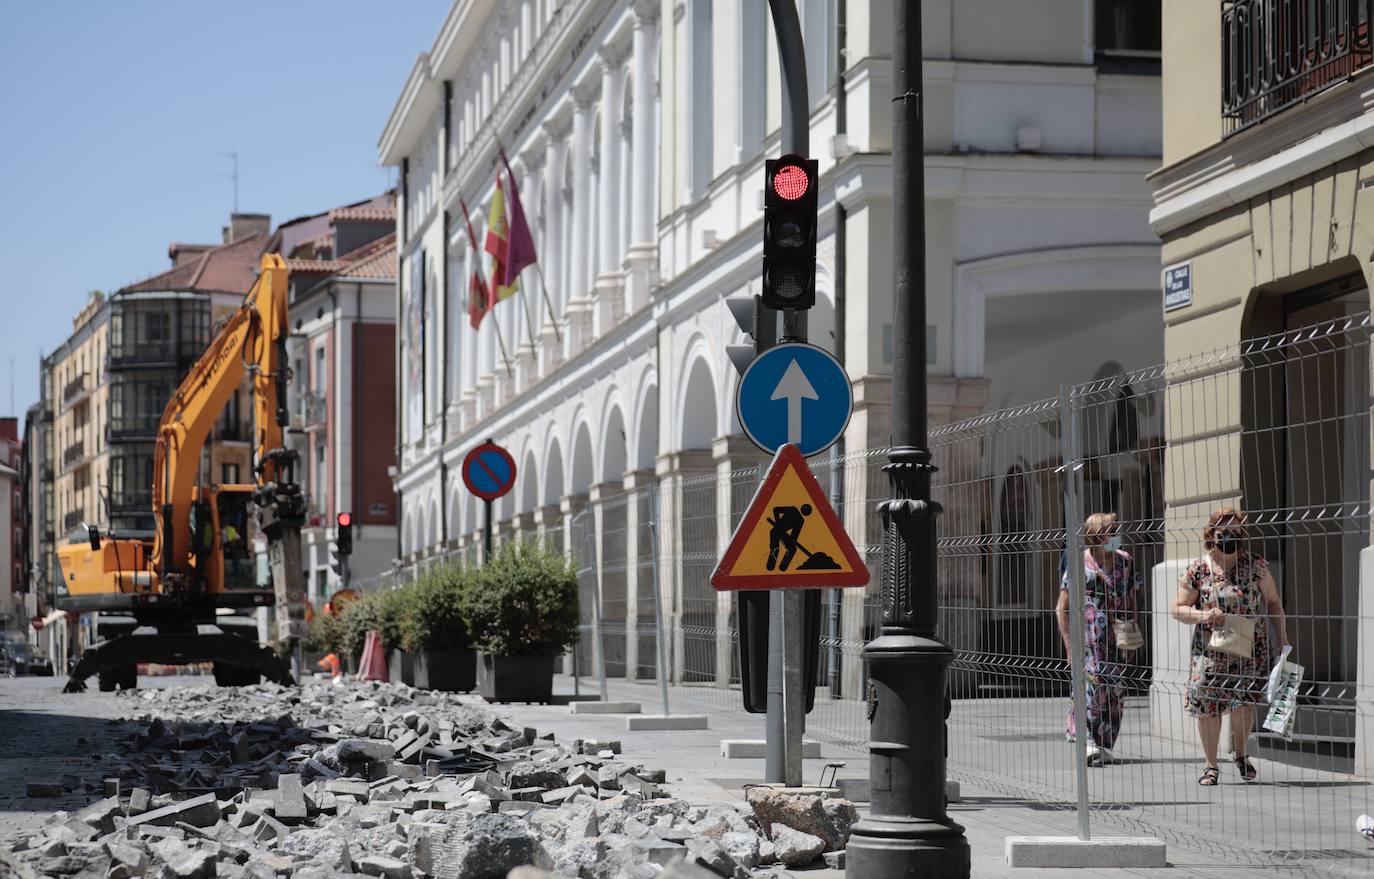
[[698, 412], [434, 522], [646, 430], [455, 525], [582, 473], [470, 521], [407, 532], [417, 541], [528, 484], [553, 474], [614, 447]]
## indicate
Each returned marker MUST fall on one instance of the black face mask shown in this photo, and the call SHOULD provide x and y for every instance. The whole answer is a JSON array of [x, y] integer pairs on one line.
[[1228, 543]]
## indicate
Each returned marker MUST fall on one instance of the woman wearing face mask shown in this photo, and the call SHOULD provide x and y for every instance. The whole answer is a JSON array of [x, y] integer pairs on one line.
[[1110, 586], [1228, 579]]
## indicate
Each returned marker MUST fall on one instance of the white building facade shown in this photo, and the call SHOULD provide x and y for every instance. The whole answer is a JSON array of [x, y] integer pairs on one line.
[[637, 132]]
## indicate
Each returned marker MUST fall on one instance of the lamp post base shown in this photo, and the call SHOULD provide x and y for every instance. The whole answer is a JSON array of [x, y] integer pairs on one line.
[[891, 846]]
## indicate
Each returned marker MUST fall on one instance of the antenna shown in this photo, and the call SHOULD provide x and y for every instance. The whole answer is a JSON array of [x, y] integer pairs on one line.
[[11, 385], [233, 156]]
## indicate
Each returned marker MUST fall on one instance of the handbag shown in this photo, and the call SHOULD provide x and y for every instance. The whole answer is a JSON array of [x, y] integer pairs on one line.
[[1235, 637], [1282, 692], [1128, 635]]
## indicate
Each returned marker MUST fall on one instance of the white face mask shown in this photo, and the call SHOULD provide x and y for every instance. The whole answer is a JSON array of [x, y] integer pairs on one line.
[[1113, 543]]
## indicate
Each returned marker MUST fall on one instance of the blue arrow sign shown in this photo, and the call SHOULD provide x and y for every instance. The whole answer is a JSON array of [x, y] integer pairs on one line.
[[794, 393]]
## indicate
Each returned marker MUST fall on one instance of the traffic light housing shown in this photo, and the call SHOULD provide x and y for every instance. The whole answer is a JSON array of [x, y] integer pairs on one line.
[[752, 626], [789, 233], [343, 534]]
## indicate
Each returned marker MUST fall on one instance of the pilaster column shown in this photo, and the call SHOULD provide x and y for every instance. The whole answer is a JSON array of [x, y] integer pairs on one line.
[[579, 303], [642, 256], [609, 296], [687, 599], [555, 153], [639, 576], [532, 297]]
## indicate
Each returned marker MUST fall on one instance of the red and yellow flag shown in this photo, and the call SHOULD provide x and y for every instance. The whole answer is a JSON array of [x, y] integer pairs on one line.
[[498, 245], [479, 298]]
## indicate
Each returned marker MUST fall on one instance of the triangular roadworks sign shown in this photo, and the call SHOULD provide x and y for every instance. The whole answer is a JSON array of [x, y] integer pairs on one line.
[[790, 537]]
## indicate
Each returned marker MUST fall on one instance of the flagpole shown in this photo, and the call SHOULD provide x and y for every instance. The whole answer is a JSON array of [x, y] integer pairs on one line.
[[544, 294], [496, 325], [529, 323]]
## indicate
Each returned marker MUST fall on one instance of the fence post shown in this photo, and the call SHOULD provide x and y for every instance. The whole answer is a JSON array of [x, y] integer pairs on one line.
[[1073, 563], [660, 645]]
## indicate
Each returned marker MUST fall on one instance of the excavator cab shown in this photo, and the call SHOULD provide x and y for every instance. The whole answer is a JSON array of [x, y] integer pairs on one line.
[[220, 544]]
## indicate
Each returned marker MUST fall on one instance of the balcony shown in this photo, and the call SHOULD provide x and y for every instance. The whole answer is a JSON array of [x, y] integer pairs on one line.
[[74, 389], [309, 411], [1277, 53], [234, 431], [74, 454], [134, 427], [73, 519], [133, 501], [147, 354]]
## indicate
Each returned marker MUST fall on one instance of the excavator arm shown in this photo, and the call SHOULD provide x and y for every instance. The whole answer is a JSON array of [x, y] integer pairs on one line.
[[252, 342]]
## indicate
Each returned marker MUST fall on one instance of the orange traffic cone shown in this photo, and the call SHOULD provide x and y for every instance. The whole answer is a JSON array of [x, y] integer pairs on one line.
[[373, 666]]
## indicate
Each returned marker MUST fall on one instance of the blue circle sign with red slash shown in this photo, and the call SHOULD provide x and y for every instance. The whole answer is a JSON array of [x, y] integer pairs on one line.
[[489, 471]]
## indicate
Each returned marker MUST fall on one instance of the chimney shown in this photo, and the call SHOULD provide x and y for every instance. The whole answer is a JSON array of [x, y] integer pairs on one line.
[[9, 429], [246, 225], [183, 253]]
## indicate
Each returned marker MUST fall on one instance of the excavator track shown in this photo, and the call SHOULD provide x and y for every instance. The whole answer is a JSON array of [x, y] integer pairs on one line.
[[206, 643]]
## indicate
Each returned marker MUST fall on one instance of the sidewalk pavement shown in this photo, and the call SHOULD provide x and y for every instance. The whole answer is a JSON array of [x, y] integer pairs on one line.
[[697, 772]]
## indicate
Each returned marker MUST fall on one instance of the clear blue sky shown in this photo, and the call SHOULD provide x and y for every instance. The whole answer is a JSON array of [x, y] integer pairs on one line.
[[113, 117]]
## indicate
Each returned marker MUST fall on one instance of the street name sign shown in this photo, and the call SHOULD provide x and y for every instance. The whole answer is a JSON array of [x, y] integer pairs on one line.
[[790, 537], [489, 471], [794, 393]]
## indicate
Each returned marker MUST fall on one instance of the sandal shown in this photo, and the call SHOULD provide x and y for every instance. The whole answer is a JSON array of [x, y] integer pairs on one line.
[[1210, 777], [1247, 770]]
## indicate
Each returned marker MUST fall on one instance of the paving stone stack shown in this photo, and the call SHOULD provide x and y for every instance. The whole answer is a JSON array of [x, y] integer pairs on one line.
[[383, 780]]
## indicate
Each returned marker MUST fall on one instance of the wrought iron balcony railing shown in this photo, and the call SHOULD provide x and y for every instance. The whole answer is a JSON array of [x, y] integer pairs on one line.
[[1277, 53], [74, 388], [73, 453]]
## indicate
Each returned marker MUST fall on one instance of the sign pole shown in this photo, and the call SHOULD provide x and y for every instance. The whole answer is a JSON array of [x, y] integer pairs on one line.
[[486, 536]]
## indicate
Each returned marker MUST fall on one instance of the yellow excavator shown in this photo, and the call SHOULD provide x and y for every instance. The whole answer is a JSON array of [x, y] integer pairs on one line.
[[177, 597]]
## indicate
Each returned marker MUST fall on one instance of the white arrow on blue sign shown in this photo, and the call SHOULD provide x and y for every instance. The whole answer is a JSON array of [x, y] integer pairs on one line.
[[794, 393]]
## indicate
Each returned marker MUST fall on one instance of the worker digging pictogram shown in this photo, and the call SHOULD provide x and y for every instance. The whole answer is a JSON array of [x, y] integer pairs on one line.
[[790, 537], [785, 536]]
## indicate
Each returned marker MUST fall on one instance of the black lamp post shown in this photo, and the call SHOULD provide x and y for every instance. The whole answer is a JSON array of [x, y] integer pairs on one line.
[[908, 832]]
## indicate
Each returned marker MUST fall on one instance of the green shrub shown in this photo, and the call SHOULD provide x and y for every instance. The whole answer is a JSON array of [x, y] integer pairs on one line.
[[325, 634], [358, 618], [393, 606], [435, 618], [524, 603]]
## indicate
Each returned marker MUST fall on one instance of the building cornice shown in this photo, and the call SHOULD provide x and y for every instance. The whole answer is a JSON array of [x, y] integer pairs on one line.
[[1334, 125]]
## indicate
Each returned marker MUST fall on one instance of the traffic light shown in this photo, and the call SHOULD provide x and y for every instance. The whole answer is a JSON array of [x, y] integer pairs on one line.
[[758, 323], [789, 233], [343, 535]]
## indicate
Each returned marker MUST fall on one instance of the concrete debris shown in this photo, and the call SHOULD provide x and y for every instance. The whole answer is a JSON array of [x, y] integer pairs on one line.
[[826, 817], [383, 780]]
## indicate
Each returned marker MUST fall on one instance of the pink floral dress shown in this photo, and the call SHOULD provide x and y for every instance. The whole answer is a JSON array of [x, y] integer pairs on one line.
[[1110, 594], [1219, 682]]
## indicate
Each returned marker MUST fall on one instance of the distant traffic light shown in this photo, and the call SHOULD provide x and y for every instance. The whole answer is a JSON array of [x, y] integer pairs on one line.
[[343, 535], [789, 233]]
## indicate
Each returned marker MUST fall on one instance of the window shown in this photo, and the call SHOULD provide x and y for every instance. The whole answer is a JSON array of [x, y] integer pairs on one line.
[[1126, 27], [320, 372], [157, 327], [230, 473], [320, 479]]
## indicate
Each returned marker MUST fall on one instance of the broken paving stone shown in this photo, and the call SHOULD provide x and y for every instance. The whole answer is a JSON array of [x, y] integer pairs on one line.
[[101, 814], [365, 750], [828, 818], [201, 811], [379, 865], [290, 799], [794, 848]]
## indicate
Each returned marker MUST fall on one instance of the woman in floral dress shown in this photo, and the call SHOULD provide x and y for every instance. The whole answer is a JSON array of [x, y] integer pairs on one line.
[[1228, 579], [1110, 588]]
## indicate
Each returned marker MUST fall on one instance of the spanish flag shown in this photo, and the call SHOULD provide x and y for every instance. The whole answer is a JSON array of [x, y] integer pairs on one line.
[[498, 245]]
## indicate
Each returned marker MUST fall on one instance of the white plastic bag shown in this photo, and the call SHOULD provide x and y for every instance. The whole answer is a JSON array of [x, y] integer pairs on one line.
[[1282, 690], [1271, 691]]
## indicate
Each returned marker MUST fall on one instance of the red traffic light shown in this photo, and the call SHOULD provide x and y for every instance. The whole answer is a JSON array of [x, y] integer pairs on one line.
[[791, 182], [345, 520]]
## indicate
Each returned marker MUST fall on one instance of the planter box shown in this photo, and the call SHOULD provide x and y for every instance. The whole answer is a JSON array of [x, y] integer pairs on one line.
[[400, 667], [516, 678], [451, 671]]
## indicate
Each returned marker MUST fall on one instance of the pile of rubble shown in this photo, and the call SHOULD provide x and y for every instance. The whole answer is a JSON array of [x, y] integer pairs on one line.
[[384, 780]]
